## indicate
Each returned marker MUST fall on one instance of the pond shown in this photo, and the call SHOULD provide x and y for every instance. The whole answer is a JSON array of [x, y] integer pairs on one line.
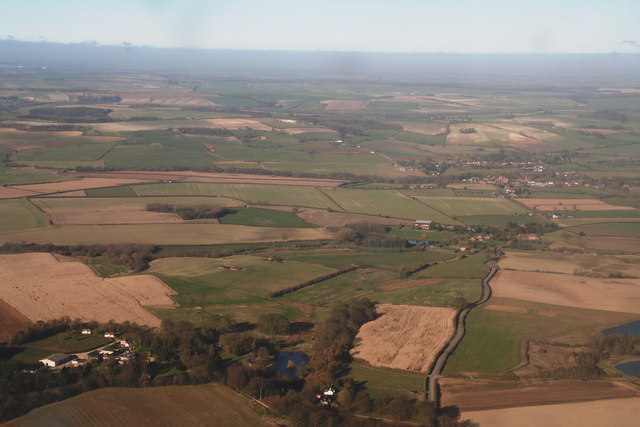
[[631, 368], [631, 328], [289, 362]]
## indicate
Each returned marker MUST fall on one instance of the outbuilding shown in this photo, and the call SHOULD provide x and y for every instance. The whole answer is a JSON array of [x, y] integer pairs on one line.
[[56, 359]]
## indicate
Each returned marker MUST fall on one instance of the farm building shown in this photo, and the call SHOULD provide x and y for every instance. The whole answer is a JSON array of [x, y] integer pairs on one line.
[[528, 236], [56, 359], [423, 223], [109, 334], [86, 332]]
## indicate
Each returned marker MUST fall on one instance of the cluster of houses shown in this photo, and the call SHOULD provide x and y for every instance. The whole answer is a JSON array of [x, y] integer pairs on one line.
[[119, 350]]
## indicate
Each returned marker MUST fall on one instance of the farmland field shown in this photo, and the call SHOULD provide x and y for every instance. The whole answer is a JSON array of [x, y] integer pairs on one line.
[[619, 295], [263, 217], [385, 203], [209, 404], [257, 277], [612, 412], [571, 205], [499, 330], [43, 288], [11, 321], [459, 206], [381, 382], [251, 193], [404, 337], [163, 234], [20, 215], [591, 264]]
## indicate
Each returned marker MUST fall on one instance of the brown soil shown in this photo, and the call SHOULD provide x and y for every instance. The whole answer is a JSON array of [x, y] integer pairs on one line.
[[541, 356], [164, 98], [81, 184], [236, 124], [404, 337], [11, 321], [43, 288], [189, 176], [475, 395], [110, 217], [614, 243], [295, 131], [571, 205], [610, 413], [344, 104], [337, 219], [14, 193], [620, 295]]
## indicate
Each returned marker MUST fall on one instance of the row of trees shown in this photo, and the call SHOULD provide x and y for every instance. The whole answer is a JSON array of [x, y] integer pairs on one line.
[[190, 212]]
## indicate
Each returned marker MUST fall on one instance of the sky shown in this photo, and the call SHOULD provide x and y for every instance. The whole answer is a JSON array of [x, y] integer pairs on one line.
[[455, 26]]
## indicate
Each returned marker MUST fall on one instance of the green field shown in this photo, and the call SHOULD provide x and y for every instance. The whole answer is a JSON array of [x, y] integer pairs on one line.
[[209, 404], [498, 336], [15, 176], [19, 214], [258, 194], [385, 203], [380, 382], [390, 260], [462, 206], [471, 267], [263, 217], [120, 191], [500, 220], [160, 234], [125, 204], [69, 343], [258, 277]]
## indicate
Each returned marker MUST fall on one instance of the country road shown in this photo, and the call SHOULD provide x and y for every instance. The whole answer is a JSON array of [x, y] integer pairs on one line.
[[432, 378]]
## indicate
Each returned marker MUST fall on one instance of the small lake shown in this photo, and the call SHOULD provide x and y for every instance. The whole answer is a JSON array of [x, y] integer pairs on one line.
[[288, 362], [631, 368], [632, 328]]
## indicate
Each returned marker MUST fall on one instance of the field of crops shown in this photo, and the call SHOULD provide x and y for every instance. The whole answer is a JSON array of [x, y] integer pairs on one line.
[[161, 234], [385, 203], [256, 277], [209, 404], [460, 206], [20, 215], [250, 193]]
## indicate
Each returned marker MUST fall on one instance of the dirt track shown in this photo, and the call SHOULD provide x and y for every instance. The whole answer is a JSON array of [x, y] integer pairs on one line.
[[43, 288], [404, 336]]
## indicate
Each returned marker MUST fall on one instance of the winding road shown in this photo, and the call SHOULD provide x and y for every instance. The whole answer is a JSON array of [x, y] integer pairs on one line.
[[432, 378]]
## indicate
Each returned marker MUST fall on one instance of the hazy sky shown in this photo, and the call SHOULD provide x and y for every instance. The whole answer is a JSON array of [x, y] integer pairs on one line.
[[463, 26]]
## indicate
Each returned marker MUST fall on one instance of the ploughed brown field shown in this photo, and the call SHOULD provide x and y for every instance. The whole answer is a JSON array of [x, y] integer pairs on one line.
[[41, 287], [11, 321], [201, 405], [479, 395], [572, 205], [404, 336], [81, 184], [235, 124], [343, 104], [620, 295], [600, 413]]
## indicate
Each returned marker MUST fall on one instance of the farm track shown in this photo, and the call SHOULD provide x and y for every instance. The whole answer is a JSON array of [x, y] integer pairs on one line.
[[438, 366]]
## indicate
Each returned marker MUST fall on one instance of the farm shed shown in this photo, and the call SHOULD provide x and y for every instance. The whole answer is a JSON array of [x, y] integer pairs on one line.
[[56, 359], [423, 223]]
